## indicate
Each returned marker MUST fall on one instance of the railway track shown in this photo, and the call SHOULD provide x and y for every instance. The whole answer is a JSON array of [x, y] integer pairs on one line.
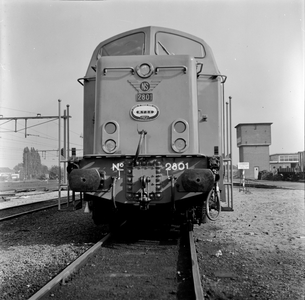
[[195, 268], [66, 274], [131, 265], [17, 211]]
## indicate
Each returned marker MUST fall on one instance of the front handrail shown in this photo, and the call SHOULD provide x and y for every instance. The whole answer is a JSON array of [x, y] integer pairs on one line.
[[214, 76], [105, 70], [184, 68], [85, 79]]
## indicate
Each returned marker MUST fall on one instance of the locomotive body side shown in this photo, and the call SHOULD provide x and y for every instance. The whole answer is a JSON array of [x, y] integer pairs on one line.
[[152, 126]]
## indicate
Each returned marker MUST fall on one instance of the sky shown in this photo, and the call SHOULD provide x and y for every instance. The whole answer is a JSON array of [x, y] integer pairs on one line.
[[47, 45]]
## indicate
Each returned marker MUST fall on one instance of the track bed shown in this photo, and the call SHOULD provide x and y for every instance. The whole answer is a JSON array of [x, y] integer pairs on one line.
[[136, 264]]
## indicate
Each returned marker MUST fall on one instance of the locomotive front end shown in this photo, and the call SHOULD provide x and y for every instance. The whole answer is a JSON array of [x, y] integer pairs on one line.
[[143, 147]]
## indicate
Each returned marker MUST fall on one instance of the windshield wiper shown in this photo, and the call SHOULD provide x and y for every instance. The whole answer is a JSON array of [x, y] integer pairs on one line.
[[163, 47]]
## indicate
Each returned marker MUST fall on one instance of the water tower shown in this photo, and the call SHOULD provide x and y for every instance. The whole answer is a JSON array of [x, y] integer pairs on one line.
[[253, 141]]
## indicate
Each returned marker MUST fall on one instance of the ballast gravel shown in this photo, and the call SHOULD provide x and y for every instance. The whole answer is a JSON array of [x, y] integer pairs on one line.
[[255, 252], [35, 247]]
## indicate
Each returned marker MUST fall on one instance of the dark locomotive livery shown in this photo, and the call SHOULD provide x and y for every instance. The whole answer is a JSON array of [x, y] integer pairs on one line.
[[153, 105]]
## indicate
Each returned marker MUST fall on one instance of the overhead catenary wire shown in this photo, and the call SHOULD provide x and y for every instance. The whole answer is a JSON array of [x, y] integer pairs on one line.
[[15, 151]]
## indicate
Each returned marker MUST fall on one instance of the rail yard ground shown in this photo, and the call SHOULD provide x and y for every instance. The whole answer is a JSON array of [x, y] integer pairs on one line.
[[39, 185], [255, 252]]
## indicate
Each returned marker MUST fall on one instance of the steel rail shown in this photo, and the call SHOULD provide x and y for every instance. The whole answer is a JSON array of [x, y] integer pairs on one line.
[[65, 274], [195, 269], [28, 212]]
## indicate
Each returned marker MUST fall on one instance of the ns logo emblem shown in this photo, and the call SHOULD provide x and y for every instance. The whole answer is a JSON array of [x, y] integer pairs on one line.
[[145, 86]]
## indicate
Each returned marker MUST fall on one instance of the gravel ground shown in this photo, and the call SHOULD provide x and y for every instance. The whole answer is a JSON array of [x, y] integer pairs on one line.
[[257, 251], [34, 248]]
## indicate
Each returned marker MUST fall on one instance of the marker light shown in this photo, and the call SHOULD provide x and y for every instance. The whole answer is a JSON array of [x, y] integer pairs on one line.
[[180, 126], [110, 128]]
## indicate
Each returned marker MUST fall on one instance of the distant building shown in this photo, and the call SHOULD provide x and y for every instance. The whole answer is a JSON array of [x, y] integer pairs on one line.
[[287, 160], [302, 160], [253, 141], [284, 160], [5, 173]]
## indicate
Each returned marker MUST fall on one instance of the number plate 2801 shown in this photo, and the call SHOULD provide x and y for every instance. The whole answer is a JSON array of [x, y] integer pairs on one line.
[[144, 97]]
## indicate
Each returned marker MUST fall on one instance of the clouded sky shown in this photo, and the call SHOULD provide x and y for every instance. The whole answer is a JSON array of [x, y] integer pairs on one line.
[[47, 45]]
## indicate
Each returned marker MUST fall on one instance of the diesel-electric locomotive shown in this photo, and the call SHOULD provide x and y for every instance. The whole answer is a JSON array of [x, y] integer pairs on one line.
[[153, 126]]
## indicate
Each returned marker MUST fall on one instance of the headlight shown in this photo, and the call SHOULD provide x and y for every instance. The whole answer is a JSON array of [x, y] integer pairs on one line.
[[180, 144], [110, 146], [144, 70]]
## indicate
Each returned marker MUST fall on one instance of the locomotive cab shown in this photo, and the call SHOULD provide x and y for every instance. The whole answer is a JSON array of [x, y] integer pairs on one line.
[[152, 126]]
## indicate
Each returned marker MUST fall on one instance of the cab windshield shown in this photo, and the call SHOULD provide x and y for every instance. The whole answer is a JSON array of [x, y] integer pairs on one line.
[[172, 44], [128, 45]]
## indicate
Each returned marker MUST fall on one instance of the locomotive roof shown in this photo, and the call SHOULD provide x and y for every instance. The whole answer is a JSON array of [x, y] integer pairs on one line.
[[150, 37]]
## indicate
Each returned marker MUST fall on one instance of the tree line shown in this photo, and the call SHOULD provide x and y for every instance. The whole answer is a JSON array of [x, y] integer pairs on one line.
[[32, 168]]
